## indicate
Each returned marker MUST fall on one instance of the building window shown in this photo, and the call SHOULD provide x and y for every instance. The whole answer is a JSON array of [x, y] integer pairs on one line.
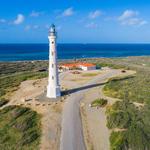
[[52, 77]]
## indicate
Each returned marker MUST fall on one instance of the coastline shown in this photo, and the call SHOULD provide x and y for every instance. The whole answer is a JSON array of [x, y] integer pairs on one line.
[[78, 59]]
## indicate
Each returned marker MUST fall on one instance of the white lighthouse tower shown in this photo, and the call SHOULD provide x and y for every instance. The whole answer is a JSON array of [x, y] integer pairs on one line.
[[53, 88]]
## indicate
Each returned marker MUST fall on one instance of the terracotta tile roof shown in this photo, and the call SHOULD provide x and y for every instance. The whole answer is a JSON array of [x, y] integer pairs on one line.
[[78, 65], [69, 65], [86, 64]]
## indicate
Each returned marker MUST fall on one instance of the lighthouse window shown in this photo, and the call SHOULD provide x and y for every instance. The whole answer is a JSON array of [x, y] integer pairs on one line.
[[52, 42], [52, 53], [52, 77], [52, 65]]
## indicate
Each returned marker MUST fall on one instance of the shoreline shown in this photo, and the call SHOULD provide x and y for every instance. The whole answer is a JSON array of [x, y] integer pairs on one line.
[[73, 59]]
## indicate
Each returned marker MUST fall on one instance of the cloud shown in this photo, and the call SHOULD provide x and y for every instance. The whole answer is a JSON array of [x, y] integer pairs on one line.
[[2, 21], [130, 17], [91, 25], [35, 14], [95, 14], [134, 21], [68, 12], [20, 19], [128, 14]]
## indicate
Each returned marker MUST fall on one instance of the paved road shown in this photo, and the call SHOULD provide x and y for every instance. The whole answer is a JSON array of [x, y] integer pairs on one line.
[[71, 134]]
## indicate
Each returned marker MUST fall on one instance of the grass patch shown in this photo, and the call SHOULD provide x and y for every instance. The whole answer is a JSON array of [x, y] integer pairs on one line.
[[118, 141], [19, 129], [99, 103], [137, 87], [23, 66], [111, 65]]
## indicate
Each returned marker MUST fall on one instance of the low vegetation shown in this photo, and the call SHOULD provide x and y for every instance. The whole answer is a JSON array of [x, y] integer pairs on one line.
[[134, 125], [114, 66], [99, 103], [130, 123], [11, 82], [19, 129], [7, 68], [137, 87]]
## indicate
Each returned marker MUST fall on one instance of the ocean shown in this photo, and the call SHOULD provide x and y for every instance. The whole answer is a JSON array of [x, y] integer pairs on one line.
[[22, 52]]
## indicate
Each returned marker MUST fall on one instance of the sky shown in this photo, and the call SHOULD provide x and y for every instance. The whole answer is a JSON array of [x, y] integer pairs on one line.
[[77, 21]]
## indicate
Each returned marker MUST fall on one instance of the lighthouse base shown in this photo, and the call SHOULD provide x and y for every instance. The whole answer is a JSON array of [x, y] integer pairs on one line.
[[53, 92]]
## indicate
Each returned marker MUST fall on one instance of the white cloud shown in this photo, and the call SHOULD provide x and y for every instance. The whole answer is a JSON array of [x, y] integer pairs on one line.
[[143, 22], [134, 21], [91, 25], [35, 14], [95, 14], [68, 12], [130, 17], [20, 19], [128, 14], [2, 21]]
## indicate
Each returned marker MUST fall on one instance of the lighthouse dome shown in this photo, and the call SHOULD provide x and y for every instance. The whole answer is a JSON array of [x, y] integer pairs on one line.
[[52, 29]]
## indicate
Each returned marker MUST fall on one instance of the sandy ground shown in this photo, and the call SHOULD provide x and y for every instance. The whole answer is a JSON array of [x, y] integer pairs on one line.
[[51, 112], [94, 121]]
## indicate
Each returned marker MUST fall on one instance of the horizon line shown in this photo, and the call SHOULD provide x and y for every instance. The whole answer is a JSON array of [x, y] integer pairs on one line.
[[80, 43]]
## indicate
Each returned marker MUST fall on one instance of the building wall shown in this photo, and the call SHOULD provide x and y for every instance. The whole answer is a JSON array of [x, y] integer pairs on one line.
[[80, 67], [88, 68]]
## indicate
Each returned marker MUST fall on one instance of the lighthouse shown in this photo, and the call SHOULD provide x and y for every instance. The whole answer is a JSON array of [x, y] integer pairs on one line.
[[53, 88]]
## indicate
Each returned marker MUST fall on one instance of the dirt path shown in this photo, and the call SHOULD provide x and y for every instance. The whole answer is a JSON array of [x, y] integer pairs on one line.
[[94, 122]]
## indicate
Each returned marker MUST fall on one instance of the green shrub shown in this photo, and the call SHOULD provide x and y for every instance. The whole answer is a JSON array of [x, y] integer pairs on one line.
[[99, 103], [135, 123], [118, 141], [20, 128]]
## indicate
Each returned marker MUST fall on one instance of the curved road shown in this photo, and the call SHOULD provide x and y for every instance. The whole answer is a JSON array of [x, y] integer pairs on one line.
[[71, 134]]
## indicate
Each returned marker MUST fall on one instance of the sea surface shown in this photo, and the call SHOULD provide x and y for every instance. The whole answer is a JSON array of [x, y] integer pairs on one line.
[[21, 52]]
